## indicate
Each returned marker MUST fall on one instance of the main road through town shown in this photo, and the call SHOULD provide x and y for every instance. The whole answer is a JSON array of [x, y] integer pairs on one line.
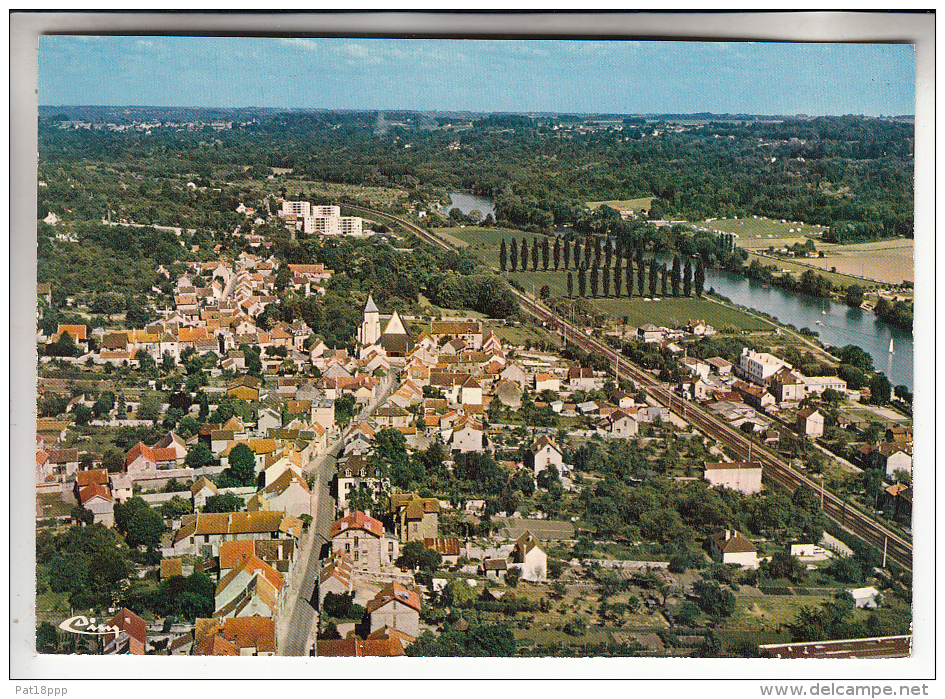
[[775, 470], [296, 630]]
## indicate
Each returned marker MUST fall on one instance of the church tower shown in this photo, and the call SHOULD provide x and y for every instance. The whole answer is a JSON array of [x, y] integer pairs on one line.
[[370, 331]]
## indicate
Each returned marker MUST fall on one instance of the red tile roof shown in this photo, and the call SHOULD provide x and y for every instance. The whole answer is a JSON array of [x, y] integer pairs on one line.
[[357, 520], [95, 475], [93, 490], [130, 623], [251, 632], [356, 648], [394, 592]]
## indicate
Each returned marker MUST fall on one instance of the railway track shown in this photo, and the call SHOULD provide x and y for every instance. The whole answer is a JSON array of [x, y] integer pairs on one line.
[[773, 468]]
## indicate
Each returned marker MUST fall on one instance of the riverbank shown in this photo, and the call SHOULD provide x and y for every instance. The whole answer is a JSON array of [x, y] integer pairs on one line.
[[834, 322]]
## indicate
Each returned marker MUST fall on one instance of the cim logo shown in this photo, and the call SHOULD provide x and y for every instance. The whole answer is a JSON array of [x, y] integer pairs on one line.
[[86, 626]]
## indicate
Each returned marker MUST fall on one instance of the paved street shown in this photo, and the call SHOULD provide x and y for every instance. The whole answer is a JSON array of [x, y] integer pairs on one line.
[[299, 619]]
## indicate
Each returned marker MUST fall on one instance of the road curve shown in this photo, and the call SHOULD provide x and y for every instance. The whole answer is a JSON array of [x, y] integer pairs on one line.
[[774, 469]]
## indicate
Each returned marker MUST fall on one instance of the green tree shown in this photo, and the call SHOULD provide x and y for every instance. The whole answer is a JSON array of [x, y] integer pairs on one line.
[[853, 296], [699, 281], [283, 278], [344, 409], [687, 278], [512, 576], [618, 282], [241, 471], [141, 525], [107, 576], [856, 357], [150, 406], [535, 255], [513, 255], [544, 254], [68, 571], [783, 565], [224, 502], [503, 256], [653, 277], [390, 455], [577, 254], [880, 389], [582, 282], [712, 599], [337, 604], [556, 253], [190, 597], [47, 638], [567, 253], [176, 507], [676, 276], [63, 347], [570, 286], [199, 456], [594, 281], [641, 272]]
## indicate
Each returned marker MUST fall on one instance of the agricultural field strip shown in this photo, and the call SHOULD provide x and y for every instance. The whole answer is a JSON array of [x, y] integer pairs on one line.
[[486, 241]]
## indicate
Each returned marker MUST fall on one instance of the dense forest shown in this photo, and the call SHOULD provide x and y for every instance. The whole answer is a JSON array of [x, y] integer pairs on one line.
[[852, 174]]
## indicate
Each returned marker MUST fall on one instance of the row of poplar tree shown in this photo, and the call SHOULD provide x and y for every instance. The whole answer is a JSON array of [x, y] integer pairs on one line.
[[652, 278]]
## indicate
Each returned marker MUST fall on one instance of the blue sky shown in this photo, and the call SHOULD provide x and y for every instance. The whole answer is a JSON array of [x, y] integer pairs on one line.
[[479, 75]]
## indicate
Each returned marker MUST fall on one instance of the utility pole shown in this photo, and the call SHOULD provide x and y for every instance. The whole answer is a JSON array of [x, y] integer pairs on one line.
[[885, 543]]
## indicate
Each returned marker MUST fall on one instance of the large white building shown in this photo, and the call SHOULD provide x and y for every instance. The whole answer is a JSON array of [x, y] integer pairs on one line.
[[296, 208], [757, 367], [740, 475], [819, 384], [332, 225]]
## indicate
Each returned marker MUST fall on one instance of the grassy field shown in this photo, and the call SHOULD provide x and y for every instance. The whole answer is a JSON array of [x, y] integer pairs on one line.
[[515, 335], [797, 269], [769, 611], [885, 261], [543, 626], [755, 233], [669, 312], [635, 204], [52, 607], [54, 505], [888, 261], [331, 190]]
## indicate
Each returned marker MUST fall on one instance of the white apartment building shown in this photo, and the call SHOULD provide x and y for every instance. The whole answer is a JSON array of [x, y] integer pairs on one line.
[[331, 225], [351, 225], [298, 208], [759, 366], [819, 384]]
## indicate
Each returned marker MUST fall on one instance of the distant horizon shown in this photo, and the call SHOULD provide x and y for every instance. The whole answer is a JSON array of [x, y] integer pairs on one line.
[[479, 75], [465, 111]]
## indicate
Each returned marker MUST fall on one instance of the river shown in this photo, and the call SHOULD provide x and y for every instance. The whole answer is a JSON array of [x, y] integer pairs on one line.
[[835, 323], [469, 202]]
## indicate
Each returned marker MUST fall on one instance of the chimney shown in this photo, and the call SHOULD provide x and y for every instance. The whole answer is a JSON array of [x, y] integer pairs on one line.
[[729, 534]]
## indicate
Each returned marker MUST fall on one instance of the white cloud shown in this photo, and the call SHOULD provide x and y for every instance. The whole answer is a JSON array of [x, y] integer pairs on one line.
[[306, 44], [361, 54], [146, 43]]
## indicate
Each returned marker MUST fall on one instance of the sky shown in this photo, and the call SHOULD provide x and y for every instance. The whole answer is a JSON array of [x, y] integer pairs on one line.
[[577, 76]]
